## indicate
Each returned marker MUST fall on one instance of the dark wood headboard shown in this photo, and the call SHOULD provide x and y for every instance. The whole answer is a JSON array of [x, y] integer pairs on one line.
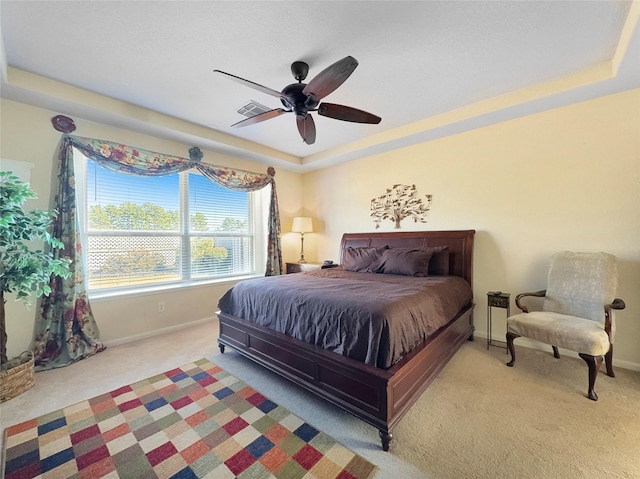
[[460, 243]]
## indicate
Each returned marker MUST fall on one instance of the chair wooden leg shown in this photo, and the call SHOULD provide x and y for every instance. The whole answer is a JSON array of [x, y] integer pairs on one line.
[[594, 363], [556, 353], [608, 359], [511, 348]]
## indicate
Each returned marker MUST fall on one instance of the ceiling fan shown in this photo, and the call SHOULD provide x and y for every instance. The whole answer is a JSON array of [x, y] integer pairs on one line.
[[302, 99]]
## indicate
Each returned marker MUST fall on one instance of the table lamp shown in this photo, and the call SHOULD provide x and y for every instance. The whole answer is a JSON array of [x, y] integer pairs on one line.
[[302, 225]]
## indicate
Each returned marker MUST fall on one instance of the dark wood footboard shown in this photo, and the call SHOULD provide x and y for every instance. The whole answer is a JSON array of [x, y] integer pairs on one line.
[[377, 396]]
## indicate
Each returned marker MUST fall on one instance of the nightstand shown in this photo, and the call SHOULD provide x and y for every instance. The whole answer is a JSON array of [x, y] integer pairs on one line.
[[496, 299], [301, 267]]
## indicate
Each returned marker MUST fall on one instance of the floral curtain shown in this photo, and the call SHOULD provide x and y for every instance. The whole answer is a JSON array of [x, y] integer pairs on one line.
[[66, 329]]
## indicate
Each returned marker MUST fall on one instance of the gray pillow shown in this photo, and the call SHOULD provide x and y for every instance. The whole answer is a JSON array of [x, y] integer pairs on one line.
[[362, 260], [405, 261], [439, 263]]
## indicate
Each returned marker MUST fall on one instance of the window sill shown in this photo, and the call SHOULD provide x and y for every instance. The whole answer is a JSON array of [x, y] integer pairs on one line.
[[99, 296]]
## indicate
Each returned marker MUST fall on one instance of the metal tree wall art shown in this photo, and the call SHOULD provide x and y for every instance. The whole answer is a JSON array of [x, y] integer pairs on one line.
[[398, 203]]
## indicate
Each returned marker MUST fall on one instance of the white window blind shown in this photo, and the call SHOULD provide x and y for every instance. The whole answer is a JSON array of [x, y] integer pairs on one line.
[[164, 229]]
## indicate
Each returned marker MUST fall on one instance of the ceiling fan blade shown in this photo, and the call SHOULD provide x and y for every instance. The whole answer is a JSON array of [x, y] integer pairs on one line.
[[346, 113], [267, 115], [255, 86], [331, 78], [307, 129]]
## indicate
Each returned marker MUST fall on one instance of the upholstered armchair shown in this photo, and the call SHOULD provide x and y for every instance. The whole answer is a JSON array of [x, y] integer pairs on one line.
[[577, 311]]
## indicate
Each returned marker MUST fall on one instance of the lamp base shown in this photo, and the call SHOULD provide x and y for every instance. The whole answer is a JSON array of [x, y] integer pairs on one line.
[[302, 260]]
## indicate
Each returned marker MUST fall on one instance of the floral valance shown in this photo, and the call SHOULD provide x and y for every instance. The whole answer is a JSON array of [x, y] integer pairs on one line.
[[136, 161]]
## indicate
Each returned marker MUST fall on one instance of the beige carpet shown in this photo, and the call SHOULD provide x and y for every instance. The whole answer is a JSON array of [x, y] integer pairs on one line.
[[479, 419]]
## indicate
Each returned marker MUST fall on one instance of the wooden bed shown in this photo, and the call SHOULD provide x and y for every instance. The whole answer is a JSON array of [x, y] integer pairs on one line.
[[380, 397]]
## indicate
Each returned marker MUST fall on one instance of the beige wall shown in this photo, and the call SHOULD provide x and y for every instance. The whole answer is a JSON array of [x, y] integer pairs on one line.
[[27, 135], [562, 179]]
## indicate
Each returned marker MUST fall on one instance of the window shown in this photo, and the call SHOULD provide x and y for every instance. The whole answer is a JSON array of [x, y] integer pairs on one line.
[[144, 230]]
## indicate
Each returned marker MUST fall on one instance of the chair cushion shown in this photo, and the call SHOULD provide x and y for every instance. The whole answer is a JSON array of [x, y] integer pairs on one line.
[[569, 332]]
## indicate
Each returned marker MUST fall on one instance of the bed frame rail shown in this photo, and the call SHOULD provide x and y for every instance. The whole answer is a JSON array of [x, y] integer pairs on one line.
[[379, 397]]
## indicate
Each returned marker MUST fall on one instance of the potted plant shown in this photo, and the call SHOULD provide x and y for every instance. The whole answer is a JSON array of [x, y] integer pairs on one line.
[[24, 269]]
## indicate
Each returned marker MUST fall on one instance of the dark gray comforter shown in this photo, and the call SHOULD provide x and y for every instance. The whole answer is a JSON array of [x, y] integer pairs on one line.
[[373, 318]]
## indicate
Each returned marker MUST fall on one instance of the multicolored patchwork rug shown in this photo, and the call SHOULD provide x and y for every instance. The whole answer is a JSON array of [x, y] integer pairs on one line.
[[197, 421]]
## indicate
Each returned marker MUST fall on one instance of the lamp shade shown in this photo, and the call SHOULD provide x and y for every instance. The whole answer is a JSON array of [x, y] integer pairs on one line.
[[302, 224]]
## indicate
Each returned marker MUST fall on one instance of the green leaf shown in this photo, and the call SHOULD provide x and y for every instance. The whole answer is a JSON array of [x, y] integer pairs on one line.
[[24, 268]]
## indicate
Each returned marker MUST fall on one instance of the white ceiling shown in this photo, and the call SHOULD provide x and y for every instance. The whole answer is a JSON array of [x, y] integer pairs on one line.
[[419, 61]]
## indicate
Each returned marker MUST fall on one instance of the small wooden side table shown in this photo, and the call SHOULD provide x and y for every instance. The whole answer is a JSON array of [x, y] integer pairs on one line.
[[496, 299], [302, 267]]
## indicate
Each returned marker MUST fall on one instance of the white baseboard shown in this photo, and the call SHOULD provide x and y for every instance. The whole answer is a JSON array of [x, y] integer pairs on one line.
[[157, 332], [529, 343]]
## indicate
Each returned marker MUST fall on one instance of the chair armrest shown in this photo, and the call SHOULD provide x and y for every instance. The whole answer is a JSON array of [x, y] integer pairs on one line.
[[537, 294], [617, 304]]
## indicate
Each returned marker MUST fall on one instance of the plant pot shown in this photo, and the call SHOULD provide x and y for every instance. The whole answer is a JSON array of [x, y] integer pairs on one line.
[[17, 377]]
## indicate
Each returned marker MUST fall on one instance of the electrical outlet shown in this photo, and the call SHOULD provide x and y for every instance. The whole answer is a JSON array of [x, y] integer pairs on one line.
[[161, 307]]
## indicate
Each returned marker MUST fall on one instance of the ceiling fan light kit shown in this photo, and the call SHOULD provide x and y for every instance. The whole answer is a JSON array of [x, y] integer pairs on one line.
[[302, 99]]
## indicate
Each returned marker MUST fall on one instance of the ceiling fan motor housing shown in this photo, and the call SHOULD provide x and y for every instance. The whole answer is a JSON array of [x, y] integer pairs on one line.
[[297, 101]]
